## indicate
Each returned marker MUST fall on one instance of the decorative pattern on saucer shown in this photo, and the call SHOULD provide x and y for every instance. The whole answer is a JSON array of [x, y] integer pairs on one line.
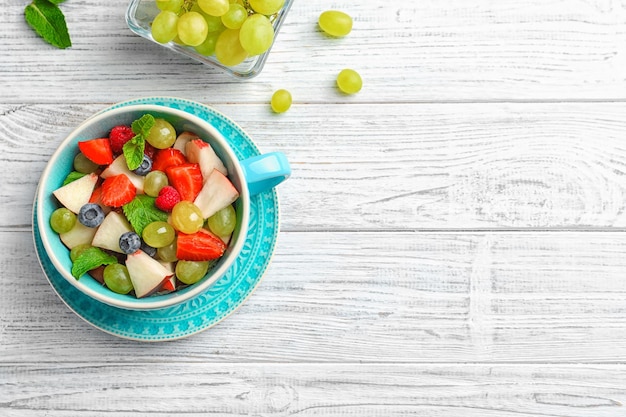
[[221, 299]]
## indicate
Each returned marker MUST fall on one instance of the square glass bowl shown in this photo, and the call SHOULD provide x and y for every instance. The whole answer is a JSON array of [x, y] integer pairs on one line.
[[141, 13]]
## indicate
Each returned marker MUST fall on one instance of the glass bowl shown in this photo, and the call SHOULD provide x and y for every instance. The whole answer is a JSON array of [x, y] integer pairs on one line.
[[141, 13]]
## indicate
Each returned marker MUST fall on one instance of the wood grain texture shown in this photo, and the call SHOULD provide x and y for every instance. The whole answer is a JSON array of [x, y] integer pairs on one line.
[[370, 297], [431, 166], [313, 390], [415, 51]]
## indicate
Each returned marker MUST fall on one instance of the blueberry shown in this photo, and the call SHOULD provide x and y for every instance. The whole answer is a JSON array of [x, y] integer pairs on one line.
[[91, 215], [145, 167], [130, 242], [149, 250]]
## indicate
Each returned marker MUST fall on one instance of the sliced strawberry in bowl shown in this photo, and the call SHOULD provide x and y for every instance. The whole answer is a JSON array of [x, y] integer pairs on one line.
[[97, 151], [187, 179], [200, 246], [165, 158], [117, 191]]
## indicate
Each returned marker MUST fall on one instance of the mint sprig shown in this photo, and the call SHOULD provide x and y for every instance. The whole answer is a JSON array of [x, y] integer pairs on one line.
[[48, 21], [133, 149], [73, 176], [89, 259], [141, 211]]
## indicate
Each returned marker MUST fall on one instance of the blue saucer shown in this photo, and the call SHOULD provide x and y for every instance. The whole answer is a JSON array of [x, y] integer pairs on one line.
[[220, 300]]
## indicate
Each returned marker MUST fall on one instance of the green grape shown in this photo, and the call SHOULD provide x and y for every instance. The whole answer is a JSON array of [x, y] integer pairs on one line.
[[256, 34], [190, 272], [187, 217], [335, 23], [235, 16], [266, 7], [349, 81], [192, 28], [117, 279], [170, 5], [162, 135], [223, 222], [214, 23], [168, 253], [207, 48], [165, 26], [77, 250], [214, 7], [158, 234], [83, 164], [153, 182], [281, 101], [228, 50], [62, 220]]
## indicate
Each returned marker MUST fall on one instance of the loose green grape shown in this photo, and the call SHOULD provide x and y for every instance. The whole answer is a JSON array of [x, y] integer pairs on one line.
[[207, 48], [162, 135], [223, 222], [153, 182], [214, 7], [83, 164], [256, 34], [266, 7], [192, 28], [168, 253], [235, 16], [170, 5], [281, 101], [117, 278], [335, 23], [77, 250], [158, 234], [165, 26], [62, 220], [228, 49], [187, 217], [190, 272], [349, 81]]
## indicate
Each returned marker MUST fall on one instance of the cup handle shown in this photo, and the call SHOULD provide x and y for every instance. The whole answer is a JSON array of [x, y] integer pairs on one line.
[[266, 171]]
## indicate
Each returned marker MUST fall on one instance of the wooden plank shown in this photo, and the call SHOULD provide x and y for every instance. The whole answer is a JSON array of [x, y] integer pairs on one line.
[[541, 297], [166, 388], [392, 167], [419, 51]]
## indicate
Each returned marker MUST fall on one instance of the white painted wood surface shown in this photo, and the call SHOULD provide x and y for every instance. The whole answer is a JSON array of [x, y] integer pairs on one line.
[[452, 238]]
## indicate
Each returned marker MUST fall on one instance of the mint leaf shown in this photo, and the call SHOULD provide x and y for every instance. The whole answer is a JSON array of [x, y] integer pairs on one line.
[[133, 149], [143, 125], [133, 152], [141, 211], [89, 259], [48, 21], [73, 176]]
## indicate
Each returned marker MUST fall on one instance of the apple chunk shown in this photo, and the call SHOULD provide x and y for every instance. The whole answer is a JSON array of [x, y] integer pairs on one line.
[[201, 153], [216, 193], [77, 193], [146, 273], [78, 235], [108, 235], [119, 166]]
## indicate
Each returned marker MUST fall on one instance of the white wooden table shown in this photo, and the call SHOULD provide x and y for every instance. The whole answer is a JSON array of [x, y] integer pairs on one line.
[[452, 238]]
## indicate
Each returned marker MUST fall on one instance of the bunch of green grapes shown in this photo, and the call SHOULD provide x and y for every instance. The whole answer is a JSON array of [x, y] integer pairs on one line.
[[230, 30]]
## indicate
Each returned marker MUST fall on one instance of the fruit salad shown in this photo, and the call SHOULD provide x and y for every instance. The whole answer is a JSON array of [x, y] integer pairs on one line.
[[146, 210]]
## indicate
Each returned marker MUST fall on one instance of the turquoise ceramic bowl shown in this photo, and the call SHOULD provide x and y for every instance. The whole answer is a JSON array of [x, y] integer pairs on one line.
[[241, 173]]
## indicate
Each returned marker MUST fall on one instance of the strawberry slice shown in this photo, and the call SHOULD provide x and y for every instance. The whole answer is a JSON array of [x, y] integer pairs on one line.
[[165, 158], [200, 246], [187, 179], [97, 151], [117, 191]]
